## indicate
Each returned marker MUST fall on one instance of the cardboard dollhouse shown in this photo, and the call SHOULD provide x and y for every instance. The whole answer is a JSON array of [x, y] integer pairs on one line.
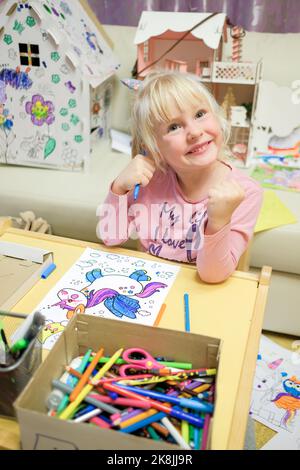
[[276, 129], [56, 65], [199, 50], [157, 31]]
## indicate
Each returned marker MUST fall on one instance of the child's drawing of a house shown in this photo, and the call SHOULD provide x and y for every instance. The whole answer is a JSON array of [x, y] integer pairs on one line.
[[195, 53], [55, 63]]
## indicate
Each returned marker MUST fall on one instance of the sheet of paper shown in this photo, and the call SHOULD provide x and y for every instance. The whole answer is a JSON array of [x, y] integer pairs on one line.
[[108, 285], [277, 177], [273, 213], [276, 388], [283, 441]]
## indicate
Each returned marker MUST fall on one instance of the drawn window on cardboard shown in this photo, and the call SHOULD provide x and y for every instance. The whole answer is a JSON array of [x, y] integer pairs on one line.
[[29, 54]]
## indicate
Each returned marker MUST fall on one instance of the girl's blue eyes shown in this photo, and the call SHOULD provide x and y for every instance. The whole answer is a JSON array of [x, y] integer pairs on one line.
[[175, 126]]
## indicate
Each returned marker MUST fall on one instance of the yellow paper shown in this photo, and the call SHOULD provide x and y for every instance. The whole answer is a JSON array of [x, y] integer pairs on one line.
[[273, 213]]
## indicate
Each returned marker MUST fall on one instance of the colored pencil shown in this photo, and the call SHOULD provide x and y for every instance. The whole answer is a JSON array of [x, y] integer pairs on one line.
[[143, 423], [85, 376], [175, 434], [186, 312], [84, 362], [87, 416], [137, 418], [160, 314], [86, 390], [205, 432], [185, 432]]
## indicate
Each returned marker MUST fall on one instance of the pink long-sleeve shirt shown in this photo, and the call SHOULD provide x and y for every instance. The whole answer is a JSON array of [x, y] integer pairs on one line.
[[171, 227]]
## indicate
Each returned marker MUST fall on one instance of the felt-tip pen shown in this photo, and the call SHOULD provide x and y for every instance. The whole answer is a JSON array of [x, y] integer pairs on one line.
[[48, 271]]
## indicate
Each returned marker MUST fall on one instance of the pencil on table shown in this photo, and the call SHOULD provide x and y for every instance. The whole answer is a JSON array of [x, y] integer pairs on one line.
[[160, 314]]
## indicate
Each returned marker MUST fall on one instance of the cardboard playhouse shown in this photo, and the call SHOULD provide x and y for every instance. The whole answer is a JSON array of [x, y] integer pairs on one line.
[[277, 134], [177, 41], [56, 65], [40, 431]]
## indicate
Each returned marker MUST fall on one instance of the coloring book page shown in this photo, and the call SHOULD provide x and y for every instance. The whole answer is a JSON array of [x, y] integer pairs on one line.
[[276, 388], [108, 285]]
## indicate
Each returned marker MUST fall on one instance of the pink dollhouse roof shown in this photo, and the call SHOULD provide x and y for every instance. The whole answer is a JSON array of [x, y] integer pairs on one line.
[[154, 23]]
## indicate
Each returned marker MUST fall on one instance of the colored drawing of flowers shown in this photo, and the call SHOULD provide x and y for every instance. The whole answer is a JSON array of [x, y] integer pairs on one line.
[[6, 134], [41, 111]]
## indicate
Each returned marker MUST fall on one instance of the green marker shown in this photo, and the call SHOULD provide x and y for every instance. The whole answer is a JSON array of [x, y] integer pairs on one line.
[[19, 345], [177, 365]]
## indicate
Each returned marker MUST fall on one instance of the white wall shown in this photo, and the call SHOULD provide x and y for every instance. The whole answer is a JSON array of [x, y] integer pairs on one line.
[[279, 52]]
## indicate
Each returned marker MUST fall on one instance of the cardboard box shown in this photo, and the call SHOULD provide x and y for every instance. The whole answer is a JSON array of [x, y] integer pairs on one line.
[[21, 267], [40, 431]]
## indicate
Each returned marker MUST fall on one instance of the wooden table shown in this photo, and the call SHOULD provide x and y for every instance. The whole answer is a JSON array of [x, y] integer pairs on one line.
[[232, 311]]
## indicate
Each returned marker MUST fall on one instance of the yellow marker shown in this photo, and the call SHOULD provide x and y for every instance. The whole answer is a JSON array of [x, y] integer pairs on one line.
[[202, 388], [67, 413], [185, 431]]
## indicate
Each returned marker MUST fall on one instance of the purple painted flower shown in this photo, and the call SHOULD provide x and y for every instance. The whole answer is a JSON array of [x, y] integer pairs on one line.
[[41, 111]]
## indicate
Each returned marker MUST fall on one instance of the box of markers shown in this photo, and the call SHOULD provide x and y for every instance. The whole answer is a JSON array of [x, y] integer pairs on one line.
[[42, 431]]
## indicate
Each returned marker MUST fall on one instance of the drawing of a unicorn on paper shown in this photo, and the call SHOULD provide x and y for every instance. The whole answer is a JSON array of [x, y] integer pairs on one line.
[[116, 291], [289, 400]]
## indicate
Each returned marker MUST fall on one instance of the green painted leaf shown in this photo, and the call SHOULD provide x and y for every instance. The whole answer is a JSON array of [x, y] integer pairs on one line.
[[49, 147]]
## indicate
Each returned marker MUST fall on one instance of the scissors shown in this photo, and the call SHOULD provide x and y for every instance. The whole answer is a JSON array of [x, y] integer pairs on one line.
[[138, 360]]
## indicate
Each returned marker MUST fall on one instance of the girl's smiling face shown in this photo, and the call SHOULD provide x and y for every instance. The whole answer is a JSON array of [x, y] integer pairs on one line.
[[190, 138]]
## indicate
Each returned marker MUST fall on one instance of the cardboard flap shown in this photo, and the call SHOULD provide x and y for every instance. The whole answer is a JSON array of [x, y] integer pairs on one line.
[[14, 250]]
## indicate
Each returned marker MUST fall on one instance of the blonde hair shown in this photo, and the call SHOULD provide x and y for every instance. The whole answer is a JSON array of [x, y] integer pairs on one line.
[[152, 104]]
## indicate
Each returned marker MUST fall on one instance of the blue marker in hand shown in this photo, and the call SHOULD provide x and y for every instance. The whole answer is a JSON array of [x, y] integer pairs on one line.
[[137, 186], [136, 191]]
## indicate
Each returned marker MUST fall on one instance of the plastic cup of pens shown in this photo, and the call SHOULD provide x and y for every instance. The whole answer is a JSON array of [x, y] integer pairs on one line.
[[20, 355]]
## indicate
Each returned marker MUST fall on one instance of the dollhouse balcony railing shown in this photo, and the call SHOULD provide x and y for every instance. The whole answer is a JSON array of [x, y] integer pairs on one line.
[[234, 72]]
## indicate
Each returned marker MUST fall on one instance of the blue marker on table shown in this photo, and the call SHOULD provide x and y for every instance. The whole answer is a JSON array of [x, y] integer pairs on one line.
[[137, 186], [187, 312], [48, 271]]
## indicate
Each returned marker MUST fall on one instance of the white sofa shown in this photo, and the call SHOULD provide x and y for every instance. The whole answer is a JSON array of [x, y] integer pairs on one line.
[[68, 201], [280, 248]]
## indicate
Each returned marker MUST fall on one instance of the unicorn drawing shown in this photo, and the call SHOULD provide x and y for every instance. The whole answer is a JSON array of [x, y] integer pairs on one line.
[[289, 400], [116, 291], [266, 381]]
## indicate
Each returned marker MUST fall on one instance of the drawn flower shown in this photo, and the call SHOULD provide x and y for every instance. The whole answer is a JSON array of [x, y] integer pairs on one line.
[[6, 119], [7, 39], [30, 21], [41, 111]]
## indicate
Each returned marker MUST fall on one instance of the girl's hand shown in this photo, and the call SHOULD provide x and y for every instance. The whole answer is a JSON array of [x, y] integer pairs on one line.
[[223, 199], [139, 171]]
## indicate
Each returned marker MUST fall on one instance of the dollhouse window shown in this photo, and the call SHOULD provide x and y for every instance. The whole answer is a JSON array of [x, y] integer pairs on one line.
[[29, 54], [146, 51]]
